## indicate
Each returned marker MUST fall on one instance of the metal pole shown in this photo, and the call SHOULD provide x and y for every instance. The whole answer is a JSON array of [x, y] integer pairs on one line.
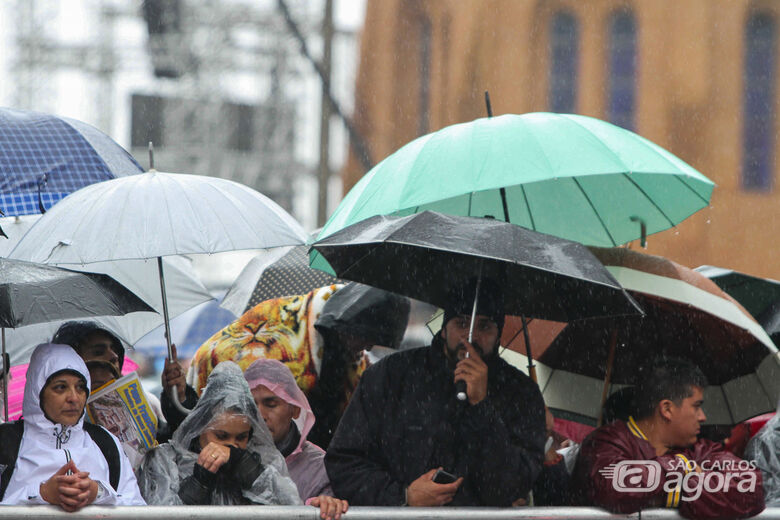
[[324, 170], [355, 137]]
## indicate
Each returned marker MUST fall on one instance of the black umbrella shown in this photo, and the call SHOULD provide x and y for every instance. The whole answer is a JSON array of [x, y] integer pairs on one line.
[[425, 255], [376, 316], [760, 296], [33, 293]]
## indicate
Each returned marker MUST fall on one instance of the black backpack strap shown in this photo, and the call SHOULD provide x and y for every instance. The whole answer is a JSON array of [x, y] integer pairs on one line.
[[106, 443], [10, 440]]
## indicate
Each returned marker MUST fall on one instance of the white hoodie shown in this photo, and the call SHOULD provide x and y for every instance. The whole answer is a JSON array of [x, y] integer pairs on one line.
[[46, 446]]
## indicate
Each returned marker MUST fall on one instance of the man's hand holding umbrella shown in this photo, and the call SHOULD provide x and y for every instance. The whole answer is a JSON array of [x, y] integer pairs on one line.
[[470, 367]]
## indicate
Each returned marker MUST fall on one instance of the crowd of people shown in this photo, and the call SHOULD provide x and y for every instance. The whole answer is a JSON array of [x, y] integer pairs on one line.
[[401, 437]]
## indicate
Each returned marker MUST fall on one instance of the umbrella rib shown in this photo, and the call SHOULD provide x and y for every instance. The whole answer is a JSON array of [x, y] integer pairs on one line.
[[83, 138], [595, 211], [763, 388], [705, 201], [650, 199], [439, 249], [726, 401], [528, 207]]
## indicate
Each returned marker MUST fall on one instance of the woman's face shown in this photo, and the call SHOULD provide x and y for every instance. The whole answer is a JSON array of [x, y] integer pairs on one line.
[[63, 398], [229, 429]]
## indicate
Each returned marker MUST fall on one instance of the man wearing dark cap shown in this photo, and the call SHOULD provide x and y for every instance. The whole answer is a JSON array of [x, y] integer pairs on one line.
[[405, 421]]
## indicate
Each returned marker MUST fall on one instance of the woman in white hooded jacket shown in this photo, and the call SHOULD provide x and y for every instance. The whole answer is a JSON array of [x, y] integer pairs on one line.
[[58, 462]]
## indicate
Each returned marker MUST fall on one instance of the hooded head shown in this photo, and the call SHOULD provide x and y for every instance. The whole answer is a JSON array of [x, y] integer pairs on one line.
[[226, 392], [276, 377], [364, 316], [49, 359], [81, 335]]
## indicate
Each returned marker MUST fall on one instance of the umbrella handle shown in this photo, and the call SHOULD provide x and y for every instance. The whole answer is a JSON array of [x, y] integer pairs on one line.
[[174, 395]]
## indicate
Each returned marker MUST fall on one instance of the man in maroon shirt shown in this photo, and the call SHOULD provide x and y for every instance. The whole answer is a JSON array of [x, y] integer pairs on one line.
[[655, 459]]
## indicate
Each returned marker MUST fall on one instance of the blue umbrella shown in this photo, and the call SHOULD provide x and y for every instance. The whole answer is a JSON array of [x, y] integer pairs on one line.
[[43, 158]]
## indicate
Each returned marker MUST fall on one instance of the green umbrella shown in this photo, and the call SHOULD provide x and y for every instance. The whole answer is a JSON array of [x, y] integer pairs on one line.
[[571, 176]]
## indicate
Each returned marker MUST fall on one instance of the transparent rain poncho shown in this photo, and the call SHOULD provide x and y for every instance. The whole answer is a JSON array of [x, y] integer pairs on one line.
[[165, 467], [764, 449]]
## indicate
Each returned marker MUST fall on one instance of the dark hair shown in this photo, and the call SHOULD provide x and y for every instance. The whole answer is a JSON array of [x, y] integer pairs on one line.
[[668, 378], [74, 332], [619, 405], [49, 379]]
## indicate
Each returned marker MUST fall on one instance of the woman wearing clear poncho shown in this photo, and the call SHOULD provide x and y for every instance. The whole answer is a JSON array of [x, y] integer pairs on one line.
[[764, 450], [222, 454]]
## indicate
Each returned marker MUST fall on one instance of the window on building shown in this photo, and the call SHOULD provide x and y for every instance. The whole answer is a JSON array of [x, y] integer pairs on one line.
[[758, 133], [621, 77], [564, 41]]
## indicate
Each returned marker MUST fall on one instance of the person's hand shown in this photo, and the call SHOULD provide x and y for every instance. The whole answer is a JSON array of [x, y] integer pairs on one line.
[[213, 456], [173, 375], [71, 492], [330, 507], [474, 372], [552, 456], [425, 492]]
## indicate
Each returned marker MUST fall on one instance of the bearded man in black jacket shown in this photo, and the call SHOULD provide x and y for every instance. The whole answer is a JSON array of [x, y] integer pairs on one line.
[[404, 421]]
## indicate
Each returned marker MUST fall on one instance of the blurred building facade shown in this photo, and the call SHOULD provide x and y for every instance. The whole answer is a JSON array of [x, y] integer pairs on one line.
[[220, 88], [696, 77]]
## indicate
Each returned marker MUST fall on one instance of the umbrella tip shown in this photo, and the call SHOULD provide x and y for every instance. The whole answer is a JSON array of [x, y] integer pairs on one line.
[[487, 104], [151, 156]]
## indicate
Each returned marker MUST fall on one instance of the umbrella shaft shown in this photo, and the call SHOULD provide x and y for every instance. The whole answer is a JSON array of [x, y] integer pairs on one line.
[[527, 337], [476, 299], [6, 368], [165, 308]]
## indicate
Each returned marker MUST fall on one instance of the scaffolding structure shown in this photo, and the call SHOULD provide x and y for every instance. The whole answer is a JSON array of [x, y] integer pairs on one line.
[[224, 86]]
